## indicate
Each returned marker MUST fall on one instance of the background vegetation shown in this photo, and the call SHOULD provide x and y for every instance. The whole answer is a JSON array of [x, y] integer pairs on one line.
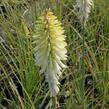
[[21, 86]]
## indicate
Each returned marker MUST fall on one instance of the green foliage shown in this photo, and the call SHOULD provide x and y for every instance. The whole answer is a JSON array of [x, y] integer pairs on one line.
[[21, 86]]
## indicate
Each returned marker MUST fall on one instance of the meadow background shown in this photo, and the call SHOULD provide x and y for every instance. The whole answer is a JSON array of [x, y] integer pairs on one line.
[[21, 85]]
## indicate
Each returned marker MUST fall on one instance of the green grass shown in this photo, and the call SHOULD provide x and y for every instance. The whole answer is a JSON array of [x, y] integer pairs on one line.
[[17, 64]]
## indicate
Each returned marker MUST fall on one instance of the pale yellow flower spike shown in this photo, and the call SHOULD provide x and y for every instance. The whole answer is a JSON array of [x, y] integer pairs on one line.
[[49, 49]]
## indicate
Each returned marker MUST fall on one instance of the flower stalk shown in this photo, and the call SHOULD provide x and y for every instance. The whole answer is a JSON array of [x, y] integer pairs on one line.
[[49, 49], [84, 9]]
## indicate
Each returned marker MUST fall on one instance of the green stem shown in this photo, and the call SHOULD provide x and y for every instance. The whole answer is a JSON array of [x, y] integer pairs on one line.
[[83, 65], [54, 102]]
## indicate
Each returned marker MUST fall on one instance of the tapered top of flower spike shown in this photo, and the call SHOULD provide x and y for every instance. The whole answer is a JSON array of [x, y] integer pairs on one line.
[[49, 49], [84, 7]]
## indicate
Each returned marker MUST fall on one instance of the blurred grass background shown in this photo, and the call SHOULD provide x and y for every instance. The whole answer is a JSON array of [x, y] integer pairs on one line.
[[21, 86]]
